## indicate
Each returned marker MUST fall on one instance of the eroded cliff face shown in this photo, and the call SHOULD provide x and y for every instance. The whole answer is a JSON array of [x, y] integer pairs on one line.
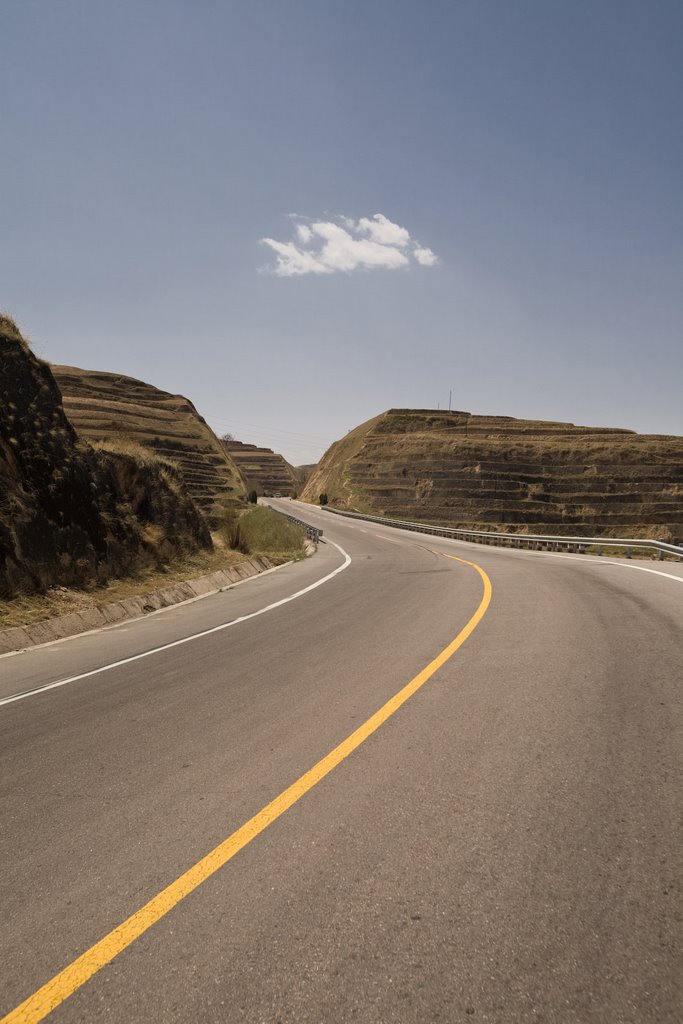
[[497, 472], [69, 514]]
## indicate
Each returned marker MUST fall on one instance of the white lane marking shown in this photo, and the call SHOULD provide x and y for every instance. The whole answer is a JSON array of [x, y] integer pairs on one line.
[[641, 568], [185, 640], [122, 625], [621, 565]]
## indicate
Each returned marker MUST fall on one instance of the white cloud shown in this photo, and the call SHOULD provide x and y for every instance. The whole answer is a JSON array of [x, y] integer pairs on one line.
[[341, 251], [425, 256], [291, 260], [381, 230], [327, 247], [304, 233]]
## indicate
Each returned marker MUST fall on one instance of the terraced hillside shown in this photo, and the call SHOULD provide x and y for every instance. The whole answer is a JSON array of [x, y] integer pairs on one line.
[[264, 470], [70, 514], [496, 472], [104, 405]]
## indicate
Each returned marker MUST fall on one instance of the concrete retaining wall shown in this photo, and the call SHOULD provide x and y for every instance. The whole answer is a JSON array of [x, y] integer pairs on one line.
[[132, 607]]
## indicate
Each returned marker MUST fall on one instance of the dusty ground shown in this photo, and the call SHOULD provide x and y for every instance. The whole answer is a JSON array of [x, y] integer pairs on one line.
[[62, 600]]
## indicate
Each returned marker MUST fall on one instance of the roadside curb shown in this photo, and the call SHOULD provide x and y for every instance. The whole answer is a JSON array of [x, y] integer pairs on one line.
[[20, 637]]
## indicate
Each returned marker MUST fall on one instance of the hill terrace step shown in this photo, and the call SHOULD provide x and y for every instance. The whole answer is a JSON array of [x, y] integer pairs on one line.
[[107, 406], [508, 491], [457, 468], [265, 471]]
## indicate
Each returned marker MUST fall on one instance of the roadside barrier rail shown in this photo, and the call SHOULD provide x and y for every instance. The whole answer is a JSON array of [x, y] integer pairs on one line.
[[533, 542], [312, 532]]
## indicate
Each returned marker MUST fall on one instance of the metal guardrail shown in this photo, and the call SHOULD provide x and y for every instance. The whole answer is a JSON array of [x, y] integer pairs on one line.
[[312, 532], [534, 542]]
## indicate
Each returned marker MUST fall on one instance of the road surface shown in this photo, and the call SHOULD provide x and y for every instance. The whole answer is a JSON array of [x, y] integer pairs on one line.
[[504, 846]]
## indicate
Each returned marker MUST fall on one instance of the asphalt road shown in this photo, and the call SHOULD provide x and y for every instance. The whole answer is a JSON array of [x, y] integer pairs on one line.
[[506, 847]]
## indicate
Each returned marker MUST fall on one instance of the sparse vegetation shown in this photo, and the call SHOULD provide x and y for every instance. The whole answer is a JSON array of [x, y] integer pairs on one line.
[[87, 523], [112, 409], [59, 600], [71, 514], [226, 517], [260, 531], [505, 474], [9, 329]]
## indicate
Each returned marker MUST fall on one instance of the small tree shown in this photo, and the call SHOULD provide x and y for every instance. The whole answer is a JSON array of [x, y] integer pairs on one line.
[[323, 498], [253, 497]]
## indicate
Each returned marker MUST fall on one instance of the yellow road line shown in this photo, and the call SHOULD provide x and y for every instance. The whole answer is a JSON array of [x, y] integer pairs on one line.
[[64, 984]]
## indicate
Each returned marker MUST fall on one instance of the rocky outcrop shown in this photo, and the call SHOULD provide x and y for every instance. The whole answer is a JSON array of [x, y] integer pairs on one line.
[[69, 514], [496, 472], [105, 406]]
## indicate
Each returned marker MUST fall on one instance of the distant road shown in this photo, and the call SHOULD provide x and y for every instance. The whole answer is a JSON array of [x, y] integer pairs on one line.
[[502, 843]]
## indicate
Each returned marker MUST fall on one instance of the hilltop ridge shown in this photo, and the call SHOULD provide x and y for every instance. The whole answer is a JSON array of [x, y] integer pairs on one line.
[[499, 472]]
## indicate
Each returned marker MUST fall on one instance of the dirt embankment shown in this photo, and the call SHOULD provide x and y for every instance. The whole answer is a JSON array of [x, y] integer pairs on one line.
[[497, 472], [109, 406], [71, 514]]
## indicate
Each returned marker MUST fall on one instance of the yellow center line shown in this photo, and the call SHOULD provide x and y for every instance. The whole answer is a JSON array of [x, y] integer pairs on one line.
[[68, 980]]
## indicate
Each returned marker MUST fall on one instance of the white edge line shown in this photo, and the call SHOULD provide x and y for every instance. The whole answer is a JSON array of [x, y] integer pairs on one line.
[[641, 568], [185, 640], [620, 565], [143, 615]]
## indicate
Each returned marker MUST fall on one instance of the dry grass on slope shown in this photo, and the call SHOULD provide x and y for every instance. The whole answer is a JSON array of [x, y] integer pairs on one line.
[[28, 608], [111, 407], [332, 475], [493, 472]]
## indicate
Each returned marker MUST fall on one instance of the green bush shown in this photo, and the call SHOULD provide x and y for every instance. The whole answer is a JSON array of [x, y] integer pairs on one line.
[[253, 497], [260, 531], [323, 498]]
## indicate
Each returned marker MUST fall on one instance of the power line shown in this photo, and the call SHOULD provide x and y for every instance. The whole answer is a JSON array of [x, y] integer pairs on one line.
[[239, 424]]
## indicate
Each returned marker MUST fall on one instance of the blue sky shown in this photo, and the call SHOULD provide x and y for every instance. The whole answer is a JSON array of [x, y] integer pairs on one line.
[[533, 147]]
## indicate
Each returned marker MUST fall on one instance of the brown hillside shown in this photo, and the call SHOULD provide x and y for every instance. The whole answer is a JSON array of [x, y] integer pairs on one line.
[[103, 405], [496, 472], [263, 470], [70, 514], [302, 473]]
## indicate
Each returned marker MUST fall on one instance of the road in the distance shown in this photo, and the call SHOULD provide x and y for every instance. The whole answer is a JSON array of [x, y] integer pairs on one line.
[[506, 847]]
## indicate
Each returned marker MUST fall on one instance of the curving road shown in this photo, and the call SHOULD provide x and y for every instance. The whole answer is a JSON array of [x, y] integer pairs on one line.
[[504, 846]]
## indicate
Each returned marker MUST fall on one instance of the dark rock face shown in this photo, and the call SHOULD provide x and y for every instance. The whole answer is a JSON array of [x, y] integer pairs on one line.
[[71, 515]]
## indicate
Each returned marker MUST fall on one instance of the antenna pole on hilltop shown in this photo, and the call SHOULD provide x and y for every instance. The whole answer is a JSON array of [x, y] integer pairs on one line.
[[450, 396]]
